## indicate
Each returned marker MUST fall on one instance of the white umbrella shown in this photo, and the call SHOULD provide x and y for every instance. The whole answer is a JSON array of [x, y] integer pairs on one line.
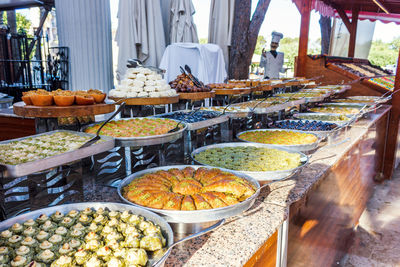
[[138, 34], [220, 25], [182, 26]]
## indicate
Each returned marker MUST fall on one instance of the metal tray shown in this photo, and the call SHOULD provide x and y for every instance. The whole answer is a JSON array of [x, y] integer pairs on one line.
[[166, 229], [376, 99], [296, 148], [147, 140], [57, 160], [340, 123], [339, 101], [200, 124], [195, 216], [279, 107], [259, 176], [322, 134], [344, 105]]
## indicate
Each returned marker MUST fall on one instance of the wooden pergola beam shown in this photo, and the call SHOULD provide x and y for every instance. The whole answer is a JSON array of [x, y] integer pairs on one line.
[[353, 33], [393, 128], [343, 16], [303, 41]]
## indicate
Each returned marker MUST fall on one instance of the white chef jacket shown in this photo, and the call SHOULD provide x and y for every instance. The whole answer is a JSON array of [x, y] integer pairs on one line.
[[272, 65]]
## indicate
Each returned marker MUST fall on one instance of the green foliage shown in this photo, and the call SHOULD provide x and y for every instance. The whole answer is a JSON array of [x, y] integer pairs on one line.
[[289, 46], [383, 54], [261, 41], [203, 41], [395, 44], [23, 23]]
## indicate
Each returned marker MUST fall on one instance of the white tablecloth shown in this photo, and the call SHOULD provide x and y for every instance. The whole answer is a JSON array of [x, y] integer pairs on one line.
[[205, 60]]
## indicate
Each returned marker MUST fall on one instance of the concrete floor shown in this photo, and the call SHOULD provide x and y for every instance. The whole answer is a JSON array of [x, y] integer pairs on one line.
[[377, 238]]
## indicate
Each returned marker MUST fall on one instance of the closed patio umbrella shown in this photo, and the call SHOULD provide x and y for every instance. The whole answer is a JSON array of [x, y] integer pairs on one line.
[[182, 27], [220, 25], [140, 33]]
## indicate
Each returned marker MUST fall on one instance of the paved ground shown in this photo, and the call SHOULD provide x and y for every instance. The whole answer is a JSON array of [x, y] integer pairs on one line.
[[377, 239]]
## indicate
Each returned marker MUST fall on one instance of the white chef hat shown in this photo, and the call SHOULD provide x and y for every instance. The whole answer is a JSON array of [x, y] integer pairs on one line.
[[276, 37]]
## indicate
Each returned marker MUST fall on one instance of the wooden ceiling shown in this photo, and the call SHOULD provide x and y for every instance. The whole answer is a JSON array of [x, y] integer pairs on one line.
[[393, 6]]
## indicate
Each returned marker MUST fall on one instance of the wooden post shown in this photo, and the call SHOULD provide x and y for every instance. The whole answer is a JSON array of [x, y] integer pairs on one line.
[[393, 128], [353, 31], [303, 42]]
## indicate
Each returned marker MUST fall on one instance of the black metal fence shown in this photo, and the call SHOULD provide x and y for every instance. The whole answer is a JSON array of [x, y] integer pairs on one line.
[[22, 70]]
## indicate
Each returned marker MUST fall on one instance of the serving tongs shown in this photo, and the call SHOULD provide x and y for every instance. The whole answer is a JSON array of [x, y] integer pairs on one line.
[[191, 77], [189, 71], [190, 114], [97, 137], [134, 63]]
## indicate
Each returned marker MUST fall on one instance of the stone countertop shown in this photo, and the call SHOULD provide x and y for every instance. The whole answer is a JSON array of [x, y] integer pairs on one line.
[[235, 243]]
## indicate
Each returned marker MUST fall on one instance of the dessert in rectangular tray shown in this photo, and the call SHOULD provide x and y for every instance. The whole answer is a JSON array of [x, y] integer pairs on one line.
[[35, 153]]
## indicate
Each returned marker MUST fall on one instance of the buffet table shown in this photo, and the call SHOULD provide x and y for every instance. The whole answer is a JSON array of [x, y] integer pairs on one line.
[[264, 235]]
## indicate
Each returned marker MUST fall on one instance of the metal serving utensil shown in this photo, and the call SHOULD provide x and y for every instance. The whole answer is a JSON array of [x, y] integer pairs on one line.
[[205, 231], [97, 137], [184, 118], [189, 71]]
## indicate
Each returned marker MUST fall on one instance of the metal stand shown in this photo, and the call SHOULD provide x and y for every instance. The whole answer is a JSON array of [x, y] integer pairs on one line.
[[114, 165], [48, 188]]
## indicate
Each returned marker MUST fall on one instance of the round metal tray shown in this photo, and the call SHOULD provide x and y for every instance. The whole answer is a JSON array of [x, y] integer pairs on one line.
[[259, 176], [340, 123], [166, 229], [297, 148], [194, 216], [322, 134], [369, 98], [349, 105], [200, 124], [146, 140]]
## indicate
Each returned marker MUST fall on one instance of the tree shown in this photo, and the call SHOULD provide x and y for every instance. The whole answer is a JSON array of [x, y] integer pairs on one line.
[[261, 41], [203, 41], [395, 44], [326, 29], [23, 24], [382, 54], [290, 47], [244, 36]]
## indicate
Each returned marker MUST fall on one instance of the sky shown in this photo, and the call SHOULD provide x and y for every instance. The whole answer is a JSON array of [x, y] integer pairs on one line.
[[281, 16]]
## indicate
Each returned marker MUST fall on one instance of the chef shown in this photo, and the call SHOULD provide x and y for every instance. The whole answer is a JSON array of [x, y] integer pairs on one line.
[[272, 61]]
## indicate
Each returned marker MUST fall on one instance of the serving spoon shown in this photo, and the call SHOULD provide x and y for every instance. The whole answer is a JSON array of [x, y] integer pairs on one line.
[[184, 118], [97, 137]]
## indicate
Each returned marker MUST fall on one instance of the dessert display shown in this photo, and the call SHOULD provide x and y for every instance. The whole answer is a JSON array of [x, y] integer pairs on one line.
[[248, 158], [63, 98], [241, 83], [142, 82], [336, 110], [317, 117], [136, 127], [230, 109], [306, 125], [361, 69], [278, 137], [385, 82], [301, 94], [82, 238], [40, 147], [227, 85], [201, 115], [183, 84], [188, 189], [347, 100]]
